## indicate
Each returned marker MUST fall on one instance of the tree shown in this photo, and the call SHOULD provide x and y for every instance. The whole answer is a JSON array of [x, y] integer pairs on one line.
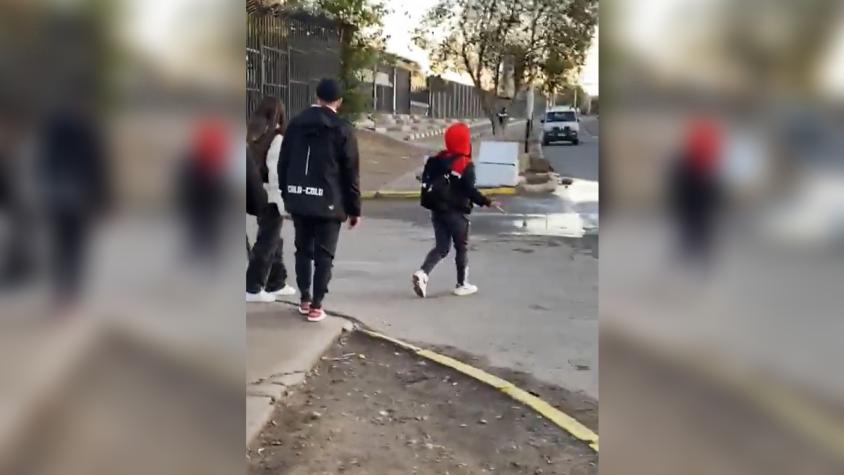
[[540, 41], [363, 41]]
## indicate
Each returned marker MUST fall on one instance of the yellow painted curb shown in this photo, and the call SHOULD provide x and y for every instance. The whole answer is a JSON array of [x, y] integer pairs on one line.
[[503, 190], [561, 419], [403, 194]]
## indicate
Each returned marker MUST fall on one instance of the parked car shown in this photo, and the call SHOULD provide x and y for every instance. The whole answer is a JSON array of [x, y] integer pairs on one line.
[[561, 124]]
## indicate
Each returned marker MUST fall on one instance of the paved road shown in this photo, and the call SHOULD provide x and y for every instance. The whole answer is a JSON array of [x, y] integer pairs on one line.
[[577, 161], [537, 268]]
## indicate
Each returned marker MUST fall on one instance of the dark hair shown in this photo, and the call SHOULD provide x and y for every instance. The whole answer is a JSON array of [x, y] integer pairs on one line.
[[266, 122], [329, 90]]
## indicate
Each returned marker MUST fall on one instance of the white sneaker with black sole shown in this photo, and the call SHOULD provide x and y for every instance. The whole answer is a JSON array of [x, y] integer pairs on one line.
[[285, 291], [465, 289], [420, 283], [261, 297]]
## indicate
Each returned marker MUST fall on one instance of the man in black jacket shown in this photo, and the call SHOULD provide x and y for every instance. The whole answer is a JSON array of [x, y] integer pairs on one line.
[[318, 173]]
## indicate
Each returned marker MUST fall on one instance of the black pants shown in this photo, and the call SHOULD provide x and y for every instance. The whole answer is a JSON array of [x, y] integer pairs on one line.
[[266, 265], [69, 243], [451, 227], [316, 243]]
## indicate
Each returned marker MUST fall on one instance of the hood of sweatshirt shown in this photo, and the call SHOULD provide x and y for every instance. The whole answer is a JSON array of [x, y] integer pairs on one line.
[[458, 144], [317, 117]]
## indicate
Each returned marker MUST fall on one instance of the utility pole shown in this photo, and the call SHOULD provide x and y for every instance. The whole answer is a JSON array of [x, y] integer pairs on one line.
[[529, 107]]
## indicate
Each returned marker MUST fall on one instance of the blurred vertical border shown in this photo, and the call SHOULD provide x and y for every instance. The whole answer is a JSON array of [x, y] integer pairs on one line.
[[723, 180], [121, 250]]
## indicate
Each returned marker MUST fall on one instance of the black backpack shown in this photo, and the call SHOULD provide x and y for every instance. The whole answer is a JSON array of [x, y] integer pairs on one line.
[[437, 194]]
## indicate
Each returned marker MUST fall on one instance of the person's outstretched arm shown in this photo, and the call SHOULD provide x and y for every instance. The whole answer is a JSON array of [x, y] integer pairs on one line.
[[468, 180]]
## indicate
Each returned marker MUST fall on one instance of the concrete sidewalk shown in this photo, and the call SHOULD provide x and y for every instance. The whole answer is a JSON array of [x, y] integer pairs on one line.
[[281, 348]]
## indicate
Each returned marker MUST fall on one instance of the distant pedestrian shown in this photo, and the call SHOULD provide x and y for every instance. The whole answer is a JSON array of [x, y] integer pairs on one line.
[[319, 178], [266, 275], [695, 191], [74, 191], [17, 253], [449, 191], [502, 117], [203, 189]]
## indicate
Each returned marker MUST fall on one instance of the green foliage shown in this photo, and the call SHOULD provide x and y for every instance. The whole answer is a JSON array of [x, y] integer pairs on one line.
[[363, 40], [565, 95], [545, 41]]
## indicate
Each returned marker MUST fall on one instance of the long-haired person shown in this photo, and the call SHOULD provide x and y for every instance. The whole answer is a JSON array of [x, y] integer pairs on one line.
[[266, 276]]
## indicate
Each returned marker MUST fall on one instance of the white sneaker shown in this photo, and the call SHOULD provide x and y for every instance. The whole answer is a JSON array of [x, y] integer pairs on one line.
[[465, 289], [285, 291], [261, 297], [420, 283]]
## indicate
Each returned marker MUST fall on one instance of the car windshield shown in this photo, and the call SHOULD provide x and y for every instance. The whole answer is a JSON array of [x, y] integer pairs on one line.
[[563, 116]]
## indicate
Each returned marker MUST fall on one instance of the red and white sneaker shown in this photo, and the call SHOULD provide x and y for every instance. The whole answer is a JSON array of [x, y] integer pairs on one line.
[[304, 307], [316, 314]]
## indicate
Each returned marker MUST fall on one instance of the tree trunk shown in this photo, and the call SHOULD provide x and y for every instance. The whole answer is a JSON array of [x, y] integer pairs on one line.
[[492, 113]]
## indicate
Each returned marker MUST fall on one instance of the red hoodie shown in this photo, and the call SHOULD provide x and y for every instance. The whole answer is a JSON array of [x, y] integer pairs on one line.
[[703, 146], [210, 146], [458, 143]]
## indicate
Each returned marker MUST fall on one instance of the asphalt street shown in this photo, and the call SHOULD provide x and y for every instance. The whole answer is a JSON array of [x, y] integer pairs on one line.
[[577, 161], [536, 267]]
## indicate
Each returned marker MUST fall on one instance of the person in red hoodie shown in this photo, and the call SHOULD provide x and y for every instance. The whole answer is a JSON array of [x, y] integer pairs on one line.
[[696, 192], [449, 191]]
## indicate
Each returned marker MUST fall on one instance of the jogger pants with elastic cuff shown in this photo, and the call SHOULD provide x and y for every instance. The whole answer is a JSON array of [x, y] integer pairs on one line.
[[450, 228], [316, 243]]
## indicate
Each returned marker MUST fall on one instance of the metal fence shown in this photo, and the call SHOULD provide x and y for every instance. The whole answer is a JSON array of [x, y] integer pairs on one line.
[[286, 56], [449, 99], [288, 53]]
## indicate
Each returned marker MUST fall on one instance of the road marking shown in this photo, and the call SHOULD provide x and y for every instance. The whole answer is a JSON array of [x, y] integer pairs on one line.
[[558, 417]]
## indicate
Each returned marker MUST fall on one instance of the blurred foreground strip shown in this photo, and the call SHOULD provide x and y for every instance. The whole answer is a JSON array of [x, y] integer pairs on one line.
[[722, 231], [669, 408], [96, 398]]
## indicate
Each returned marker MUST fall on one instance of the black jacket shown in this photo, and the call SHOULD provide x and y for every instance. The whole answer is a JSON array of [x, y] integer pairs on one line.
[[319, 167], [258, 150], [256, 195], [464, 192], [72, 166]]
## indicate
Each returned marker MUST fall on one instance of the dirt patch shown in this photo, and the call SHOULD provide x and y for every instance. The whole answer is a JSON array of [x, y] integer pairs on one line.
[[391, 412], [578, 405], [383, 159]]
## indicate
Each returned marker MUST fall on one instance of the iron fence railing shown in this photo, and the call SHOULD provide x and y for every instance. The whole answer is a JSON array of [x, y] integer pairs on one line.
[[286, 56]]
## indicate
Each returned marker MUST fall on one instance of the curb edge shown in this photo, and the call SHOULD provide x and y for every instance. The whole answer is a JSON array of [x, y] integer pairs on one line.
[[558, 417]]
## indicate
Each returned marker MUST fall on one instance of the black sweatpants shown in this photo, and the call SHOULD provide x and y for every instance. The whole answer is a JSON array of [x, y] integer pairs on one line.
[[69, 241], [316, 243], [450, 227], [266, 265]]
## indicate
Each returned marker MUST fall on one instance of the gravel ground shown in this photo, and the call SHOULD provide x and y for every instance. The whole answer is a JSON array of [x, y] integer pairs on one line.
[[371, 408]]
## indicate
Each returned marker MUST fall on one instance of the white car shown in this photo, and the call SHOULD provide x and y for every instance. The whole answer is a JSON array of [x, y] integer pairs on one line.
[[561, 124]]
